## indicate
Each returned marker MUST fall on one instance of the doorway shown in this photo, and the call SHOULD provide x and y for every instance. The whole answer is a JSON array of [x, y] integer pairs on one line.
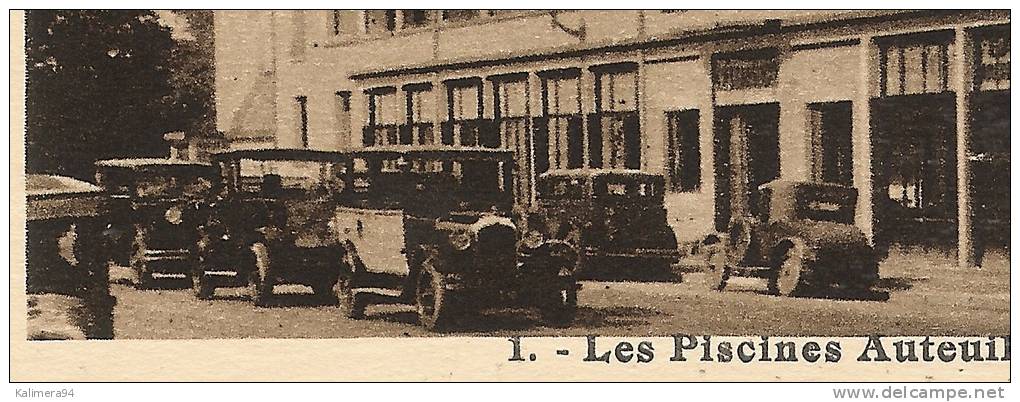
[[914, 165], [746, 143]]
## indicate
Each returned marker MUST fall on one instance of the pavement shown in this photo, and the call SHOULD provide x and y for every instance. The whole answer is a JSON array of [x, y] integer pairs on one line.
[[922, 293]]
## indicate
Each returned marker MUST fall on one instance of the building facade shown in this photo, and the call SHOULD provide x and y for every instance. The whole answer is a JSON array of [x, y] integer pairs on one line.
[[909, 107]]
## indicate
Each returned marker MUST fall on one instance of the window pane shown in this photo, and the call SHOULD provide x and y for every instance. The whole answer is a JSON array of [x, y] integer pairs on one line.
[[618, 92], [464, 100], [892, 72], [513, 100], [423, 106], [563, 96], [388, 109], [913, 78]]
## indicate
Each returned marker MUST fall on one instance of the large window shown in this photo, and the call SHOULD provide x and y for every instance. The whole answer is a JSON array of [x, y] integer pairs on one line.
[[380, 21], [683, 151], [831, 130], [510, 98], [417, 18], [464, 126], [614, 134], [559, 143], [459, 15], [385, 112], [420, 115], [915, 64]]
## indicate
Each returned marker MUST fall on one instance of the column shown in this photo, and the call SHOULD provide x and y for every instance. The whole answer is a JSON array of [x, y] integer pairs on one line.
[[867, 76], [962, 83]]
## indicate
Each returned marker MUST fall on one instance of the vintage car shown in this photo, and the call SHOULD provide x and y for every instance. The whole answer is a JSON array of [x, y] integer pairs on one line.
[[616, 218], [67, 277], [802, 239], [433, 228], [156, 212], [268, 223]]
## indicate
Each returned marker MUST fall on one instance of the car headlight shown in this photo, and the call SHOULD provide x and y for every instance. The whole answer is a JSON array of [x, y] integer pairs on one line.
[[174, 215], [461, 239], [532, 239]]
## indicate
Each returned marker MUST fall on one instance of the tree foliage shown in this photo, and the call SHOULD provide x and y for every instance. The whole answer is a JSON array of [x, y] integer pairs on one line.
[[105, 84]]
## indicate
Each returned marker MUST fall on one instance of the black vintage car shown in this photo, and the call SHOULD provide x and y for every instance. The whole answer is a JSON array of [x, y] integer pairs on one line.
[[269, 223], [67, 277], [433, 227], [156, 212], [616, 218], [801, 238]]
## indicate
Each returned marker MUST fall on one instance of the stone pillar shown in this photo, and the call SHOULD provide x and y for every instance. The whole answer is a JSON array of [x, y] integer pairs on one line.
[[867, 76], [962, 83]]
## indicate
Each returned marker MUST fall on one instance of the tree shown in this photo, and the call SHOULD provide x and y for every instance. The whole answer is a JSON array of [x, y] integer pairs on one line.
[[193, 75], [97, 86]]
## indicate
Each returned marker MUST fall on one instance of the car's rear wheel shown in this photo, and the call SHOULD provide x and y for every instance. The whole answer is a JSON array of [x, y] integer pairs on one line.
[[263, 288], [138, 264], [717, 268], [350, 306], [788, 271], [204, 290], [562, 307], [432, 300]]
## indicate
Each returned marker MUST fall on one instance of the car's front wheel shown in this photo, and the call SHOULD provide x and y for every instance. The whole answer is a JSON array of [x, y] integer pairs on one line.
[[789, 270], [717, 268], [432, 300]]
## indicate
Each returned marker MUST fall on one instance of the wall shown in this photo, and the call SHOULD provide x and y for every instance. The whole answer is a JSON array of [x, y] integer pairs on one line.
[[681, 86]]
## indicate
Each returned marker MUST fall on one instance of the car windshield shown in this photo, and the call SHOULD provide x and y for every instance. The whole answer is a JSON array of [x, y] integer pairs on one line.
[[561, 187], [438, 181], [293, 174], [172, 186], [826, 204]]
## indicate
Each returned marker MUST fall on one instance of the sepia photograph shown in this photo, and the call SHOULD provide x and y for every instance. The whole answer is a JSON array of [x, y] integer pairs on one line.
[[683, 182]]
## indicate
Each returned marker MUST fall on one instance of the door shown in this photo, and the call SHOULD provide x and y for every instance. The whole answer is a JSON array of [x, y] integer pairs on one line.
[[914, 164], [746, 156]]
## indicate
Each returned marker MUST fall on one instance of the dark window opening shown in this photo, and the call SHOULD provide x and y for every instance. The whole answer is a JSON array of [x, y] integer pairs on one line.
[[303, 109], [683, 158], [831, 130], [337, 26], [417, 18]]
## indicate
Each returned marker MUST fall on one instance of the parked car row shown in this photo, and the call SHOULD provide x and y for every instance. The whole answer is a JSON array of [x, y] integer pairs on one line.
[[432, 227]]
